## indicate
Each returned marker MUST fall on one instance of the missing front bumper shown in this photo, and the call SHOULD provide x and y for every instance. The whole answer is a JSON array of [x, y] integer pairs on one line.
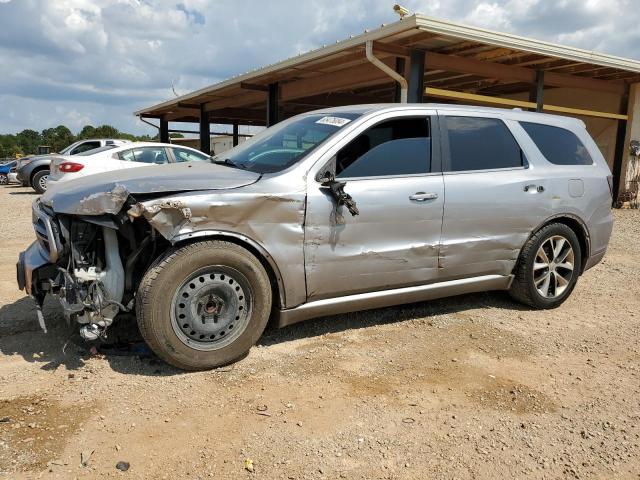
[[29, 261]]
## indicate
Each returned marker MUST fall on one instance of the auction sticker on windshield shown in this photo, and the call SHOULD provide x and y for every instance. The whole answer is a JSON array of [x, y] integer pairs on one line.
[[335, 121]]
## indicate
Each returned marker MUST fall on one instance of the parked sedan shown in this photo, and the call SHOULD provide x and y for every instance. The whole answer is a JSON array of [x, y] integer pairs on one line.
[[33, 171], [114, 157]]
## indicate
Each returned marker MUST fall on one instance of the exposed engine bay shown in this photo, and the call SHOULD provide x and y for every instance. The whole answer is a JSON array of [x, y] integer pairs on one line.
[[95, 264]]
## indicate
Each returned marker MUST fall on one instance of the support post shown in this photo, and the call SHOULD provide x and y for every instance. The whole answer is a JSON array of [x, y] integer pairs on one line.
[[205, 131], [164, 131], [622, 150], [272, 104], [631, 164], [536, 94], [416, 77], [235, 134], [400, 68]]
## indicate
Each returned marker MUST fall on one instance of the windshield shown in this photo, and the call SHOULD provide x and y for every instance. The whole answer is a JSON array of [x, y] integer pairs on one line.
[[283, 145], [95, 150]]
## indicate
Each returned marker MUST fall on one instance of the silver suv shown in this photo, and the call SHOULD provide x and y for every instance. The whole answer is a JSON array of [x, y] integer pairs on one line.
[[327, 212]]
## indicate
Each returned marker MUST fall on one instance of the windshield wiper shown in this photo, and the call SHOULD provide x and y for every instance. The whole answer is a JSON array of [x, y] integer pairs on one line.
[[229, 163]]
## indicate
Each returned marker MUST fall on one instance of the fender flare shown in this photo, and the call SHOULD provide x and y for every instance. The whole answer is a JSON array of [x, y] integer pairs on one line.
[[239, 238], [576, 218]]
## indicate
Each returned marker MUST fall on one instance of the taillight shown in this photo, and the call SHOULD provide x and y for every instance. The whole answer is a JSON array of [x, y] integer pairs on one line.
[[70, 167], [610, 181]]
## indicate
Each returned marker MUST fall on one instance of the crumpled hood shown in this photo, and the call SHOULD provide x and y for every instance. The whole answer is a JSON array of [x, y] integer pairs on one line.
[[106, 192]]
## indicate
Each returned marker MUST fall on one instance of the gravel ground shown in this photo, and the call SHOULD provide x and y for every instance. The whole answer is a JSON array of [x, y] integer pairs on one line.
[[466, 387]]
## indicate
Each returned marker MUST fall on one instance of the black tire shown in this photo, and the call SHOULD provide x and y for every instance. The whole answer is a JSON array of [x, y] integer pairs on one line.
[[37, 183], [523, 288], [155, 302]]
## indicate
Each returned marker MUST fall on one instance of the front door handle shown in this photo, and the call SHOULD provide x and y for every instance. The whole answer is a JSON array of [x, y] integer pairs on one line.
[[422, 196]]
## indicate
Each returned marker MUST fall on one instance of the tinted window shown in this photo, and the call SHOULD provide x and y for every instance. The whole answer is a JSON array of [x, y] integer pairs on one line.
[[395, 147], [558, 145], [481, 144], [184, 155], [96, 150], [84, 147], [144, 155]]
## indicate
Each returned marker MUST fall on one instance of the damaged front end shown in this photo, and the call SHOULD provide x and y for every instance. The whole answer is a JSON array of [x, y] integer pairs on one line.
[[96, 238], [82, 260]]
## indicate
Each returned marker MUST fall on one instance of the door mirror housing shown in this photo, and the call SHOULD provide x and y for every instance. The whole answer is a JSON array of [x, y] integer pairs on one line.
[[326, 178]]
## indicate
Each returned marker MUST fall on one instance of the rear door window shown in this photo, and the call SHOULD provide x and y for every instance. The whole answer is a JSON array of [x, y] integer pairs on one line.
[[84, 147], [558, 145], [480, 144], [400, 146], [184, 155], [151, 155]]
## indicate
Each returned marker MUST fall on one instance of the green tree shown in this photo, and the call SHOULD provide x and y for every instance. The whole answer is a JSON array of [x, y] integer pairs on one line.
[[106, 131], [58, 137], [28, 141], [88, 131], [9, 146]]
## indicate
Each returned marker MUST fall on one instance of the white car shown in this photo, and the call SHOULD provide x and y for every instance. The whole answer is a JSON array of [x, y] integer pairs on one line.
[[116, 157]]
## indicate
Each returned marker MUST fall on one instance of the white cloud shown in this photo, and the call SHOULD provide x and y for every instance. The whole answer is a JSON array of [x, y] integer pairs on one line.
[[99, 60]]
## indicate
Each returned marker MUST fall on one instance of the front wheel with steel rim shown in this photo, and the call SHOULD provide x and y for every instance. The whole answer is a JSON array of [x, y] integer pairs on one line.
[[548, 267], [4, 179], [204, 305]]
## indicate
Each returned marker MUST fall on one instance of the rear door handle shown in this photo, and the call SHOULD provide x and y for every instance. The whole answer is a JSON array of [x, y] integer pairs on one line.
[[422, 196]]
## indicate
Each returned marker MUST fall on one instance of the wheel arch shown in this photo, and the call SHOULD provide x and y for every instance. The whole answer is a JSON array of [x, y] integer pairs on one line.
[[38, 168], [578, 226], [261, 253]]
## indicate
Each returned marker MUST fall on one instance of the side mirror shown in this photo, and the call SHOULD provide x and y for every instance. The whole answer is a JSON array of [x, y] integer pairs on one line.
[[336, 189], [326, 178]]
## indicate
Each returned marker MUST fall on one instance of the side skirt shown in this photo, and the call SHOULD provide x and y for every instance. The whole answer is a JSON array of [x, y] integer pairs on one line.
[[387, 298]]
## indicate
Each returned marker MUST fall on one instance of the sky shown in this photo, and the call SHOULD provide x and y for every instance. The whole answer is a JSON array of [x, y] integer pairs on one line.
[[78, 62]]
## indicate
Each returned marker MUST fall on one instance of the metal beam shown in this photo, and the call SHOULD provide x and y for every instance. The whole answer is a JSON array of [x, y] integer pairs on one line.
[[272, 104], [471, 97], [205, 131], [235, 134], [164, 131], [536, 95], [620, 150], [509, 72], [253, 86], [416, 77]]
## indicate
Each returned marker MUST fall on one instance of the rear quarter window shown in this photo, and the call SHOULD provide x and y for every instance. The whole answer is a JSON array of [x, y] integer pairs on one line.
[[481, 144], [558, 145]]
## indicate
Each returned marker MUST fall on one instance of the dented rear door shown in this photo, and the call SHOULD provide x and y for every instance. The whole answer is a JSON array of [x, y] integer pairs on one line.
[[393, 242], [495, 195]]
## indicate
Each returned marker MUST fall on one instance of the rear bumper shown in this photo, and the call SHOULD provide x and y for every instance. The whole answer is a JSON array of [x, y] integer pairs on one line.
[[22, 174], [29, 261]]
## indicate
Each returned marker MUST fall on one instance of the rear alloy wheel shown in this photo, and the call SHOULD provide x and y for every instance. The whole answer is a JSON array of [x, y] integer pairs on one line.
[[3, 179], [553, 267], [548, 267], [39, 181], [204, 305]]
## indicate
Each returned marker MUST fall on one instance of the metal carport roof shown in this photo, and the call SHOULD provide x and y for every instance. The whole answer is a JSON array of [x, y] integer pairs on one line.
[[457, 58]]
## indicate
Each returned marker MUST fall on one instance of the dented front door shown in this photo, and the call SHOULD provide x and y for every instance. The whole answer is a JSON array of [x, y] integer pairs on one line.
[[392, 243]]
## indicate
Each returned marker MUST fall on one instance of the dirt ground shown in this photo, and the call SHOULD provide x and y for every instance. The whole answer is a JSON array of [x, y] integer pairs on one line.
[[466, 387]]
